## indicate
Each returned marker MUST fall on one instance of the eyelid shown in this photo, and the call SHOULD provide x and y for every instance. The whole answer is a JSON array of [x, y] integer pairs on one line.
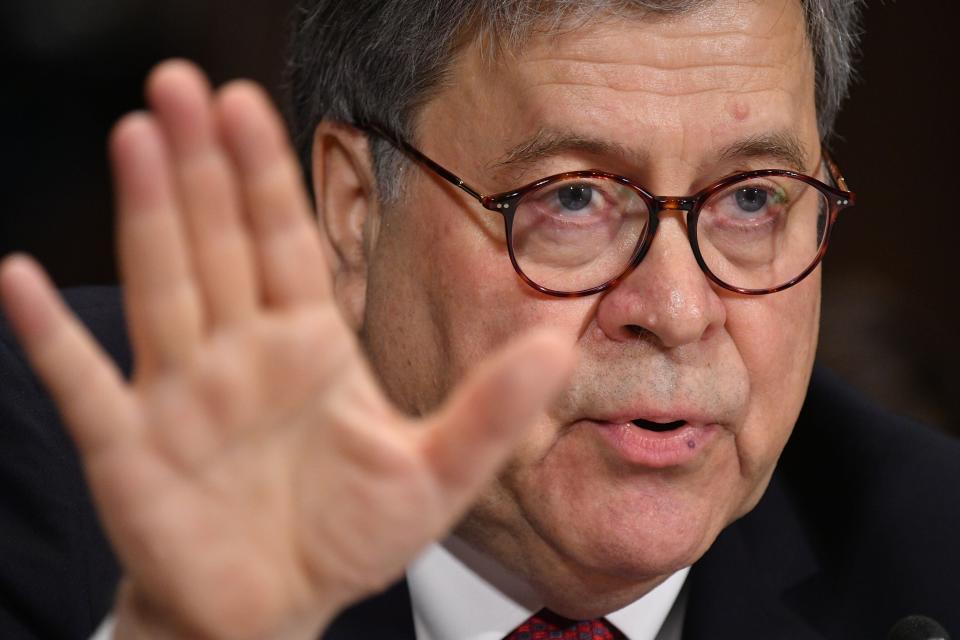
[[764, 182]]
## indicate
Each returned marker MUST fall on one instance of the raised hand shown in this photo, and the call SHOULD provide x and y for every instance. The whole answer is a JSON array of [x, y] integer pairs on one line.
[[252, 477]]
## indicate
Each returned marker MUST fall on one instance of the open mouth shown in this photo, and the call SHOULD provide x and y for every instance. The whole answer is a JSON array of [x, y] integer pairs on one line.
[[659, 427]]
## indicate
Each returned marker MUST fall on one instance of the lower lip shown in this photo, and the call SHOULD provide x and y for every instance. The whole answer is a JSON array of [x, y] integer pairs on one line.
[[653, 449]]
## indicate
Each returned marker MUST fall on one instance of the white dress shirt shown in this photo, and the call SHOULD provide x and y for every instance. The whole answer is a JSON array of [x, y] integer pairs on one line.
[[460, 594]]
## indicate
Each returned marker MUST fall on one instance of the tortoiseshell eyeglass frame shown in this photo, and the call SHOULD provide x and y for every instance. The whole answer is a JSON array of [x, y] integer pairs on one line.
[[505, 202]]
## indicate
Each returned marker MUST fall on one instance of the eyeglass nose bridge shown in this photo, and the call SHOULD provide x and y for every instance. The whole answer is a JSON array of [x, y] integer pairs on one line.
[[658, 204], [672, 203]]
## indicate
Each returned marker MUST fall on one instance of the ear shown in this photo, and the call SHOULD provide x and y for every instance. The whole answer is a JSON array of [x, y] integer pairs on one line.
[[347, 208]]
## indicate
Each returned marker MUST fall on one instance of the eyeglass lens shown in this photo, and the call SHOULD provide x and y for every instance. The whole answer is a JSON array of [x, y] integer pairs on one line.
[[579, 233]]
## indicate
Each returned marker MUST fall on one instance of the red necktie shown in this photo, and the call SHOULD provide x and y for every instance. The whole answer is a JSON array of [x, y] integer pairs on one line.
[[546, 625]]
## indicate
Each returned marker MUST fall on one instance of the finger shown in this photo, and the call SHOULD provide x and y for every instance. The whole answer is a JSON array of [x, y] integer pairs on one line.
[[292, 268], [473, 434], [163, 305], [85, 384], [221, 252]]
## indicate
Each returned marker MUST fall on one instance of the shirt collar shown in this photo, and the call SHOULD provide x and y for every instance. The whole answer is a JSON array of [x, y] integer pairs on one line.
[[460, 593]]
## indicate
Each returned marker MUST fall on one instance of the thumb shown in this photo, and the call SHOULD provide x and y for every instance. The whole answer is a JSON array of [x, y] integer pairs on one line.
[[472, 435]]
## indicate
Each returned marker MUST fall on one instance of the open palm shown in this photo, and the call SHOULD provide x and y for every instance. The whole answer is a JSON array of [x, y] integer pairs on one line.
[[252, 476]]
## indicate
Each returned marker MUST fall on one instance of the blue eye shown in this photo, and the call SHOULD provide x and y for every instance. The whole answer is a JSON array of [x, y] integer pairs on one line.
[[575, 197], [751, 199]]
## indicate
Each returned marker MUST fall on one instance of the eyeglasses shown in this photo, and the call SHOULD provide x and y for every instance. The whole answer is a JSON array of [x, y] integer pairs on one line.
[[578, 233]]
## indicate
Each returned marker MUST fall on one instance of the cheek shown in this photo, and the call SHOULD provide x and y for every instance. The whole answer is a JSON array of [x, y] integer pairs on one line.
[[776, 336], [398, 333], [442, 296]]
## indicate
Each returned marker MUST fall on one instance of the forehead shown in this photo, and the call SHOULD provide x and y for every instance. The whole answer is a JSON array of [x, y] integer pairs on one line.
[[680, 86]]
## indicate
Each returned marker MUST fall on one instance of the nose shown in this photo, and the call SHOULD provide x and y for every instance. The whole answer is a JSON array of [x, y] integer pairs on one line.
[[667, 295]]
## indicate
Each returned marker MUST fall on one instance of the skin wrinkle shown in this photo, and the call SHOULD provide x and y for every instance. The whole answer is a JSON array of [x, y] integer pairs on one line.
[[742, 362], [659, 67], [722, 46], [668, 115], [715, 46], [666, 94]]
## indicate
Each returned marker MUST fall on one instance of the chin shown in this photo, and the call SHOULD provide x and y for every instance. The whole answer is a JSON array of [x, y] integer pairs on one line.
[[640, 544], [614, 571], [640, 524]]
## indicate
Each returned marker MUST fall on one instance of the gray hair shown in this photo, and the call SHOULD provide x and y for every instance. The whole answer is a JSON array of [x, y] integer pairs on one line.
[[380, 61]]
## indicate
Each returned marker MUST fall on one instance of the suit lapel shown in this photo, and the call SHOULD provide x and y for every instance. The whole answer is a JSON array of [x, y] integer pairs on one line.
[[760, 579], [386, 616]]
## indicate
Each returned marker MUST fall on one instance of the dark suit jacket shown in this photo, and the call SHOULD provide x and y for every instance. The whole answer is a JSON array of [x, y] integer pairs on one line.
[[860, 525]]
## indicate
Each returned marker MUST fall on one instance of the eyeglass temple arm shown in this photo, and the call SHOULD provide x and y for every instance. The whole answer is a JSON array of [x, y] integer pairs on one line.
[[834, 170], [416, 154]]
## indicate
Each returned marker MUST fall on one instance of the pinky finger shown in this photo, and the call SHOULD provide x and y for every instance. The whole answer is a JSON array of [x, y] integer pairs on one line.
[[85, 384]]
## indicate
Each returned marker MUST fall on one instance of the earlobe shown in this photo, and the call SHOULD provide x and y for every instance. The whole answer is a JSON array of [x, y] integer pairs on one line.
[[345, 191]]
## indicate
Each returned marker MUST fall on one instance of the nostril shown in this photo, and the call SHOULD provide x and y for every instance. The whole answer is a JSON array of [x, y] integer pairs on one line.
[[638, 331]]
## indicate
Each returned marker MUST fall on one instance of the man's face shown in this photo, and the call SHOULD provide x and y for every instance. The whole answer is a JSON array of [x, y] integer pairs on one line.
[[587, 509]]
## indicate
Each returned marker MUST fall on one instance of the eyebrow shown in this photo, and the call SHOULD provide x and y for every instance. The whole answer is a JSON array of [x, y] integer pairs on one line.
[[546, 143], [782, 146]]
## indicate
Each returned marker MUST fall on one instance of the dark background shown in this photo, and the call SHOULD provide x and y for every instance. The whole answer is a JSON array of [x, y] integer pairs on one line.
[[72, 67]]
